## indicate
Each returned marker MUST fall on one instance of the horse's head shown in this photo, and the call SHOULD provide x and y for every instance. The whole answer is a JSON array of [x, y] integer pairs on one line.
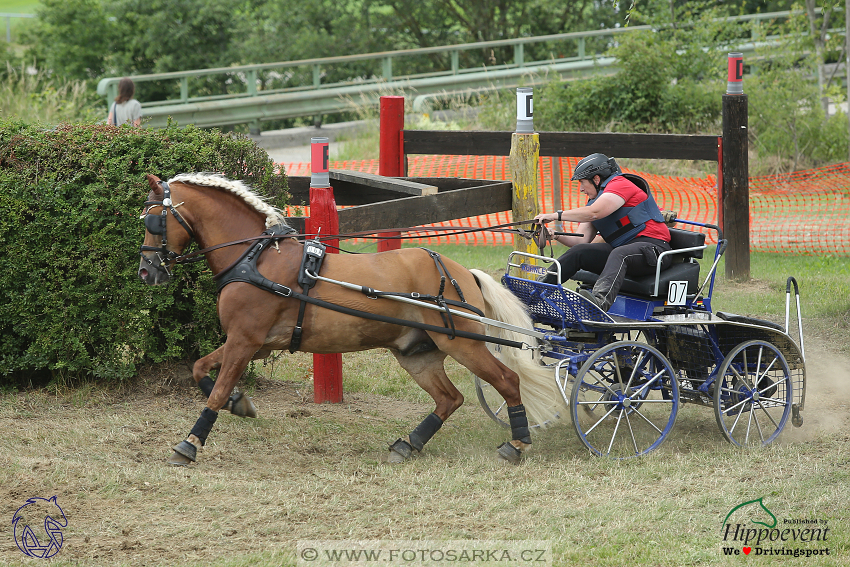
[[166, 233]]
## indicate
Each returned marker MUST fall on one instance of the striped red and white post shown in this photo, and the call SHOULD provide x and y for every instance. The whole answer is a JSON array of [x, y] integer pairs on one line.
[[323, 219], [391, 153]]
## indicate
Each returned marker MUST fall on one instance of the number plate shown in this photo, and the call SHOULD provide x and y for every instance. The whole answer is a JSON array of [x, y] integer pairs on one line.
[[677, 293]]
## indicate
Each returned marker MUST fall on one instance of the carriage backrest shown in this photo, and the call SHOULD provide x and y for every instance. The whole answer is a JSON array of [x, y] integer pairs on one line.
[[680, 238], [642, 183]]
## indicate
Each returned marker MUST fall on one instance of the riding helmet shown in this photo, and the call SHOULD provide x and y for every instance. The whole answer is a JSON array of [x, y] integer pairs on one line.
[[595, 164]]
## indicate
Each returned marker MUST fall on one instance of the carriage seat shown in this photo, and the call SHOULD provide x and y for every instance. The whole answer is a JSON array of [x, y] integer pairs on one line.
[[684, 267]]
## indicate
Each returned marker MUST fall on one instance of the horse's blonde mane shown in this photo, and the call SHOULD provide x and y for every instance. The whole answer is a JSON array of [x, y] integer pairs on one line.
[[272, 214]]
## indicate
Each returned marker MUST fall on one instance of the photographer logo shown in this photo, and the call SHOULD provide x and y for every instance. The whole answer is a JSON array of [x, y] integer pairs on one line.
[[37, 527], [751, 528]]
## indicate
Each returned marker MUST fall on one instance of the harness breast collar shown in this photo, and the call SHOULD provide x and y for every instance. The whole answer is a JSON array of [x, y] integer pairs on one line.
[[245, 268]]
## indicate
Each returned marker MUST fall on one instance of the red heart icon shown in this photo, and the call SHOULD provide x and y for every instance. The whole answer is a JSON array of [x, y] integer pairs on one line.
[[747, 550]]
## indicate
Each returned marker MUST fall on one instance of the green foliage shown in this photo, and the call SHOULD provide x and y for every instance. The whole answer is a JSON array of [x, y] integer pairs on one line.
[[37, 97], [71, 304], [71, 38], [668, 79], [672, 80], [788, 125], [84, 39], [641, 96]]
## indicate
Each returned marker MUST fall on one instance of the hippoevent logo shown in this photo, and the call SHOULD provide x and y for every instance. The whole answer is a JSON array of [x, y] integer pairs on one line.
[[750, 528], [27, 526]]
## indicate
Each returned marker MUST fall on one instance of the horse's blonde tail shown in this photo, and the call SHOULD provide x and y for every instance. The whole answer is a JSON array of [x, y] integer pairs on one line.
[[540, 394]]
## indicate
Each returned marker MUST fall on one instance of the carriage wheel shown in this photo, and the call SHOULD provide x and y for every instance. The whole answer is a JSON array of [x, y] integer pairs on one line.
[[755, 395], [493, 403], [625, 400]]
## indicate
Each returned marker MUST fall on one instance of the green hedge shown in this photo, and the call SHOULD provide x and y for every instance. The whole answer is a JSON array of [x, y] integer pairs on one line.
[[71, 304]]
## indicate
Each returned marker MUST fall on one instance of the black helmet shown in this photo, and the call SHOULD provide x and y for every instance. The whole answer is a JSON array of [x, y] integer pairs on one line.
[[595, 164]]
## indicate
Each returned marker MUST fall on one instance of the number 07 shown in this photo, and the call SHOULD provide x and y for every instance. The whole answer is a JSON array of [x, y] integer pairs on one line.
[[677, 293]]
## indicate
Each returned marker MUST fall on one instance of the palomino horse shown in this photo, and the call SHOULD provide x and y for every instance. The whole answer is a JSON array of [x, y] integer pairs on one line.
[[225, 218]]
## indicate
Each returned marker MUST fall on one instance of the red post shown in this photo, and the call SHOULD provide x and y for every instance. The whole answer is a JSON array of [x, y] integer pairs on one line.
[[323, 219], [391, 153]]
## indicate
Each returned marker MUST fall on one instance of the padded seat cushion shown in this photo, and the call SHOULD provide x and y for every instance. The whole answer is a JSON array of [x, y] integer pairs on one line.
[[645, 285], [681, 270], [680, 238]]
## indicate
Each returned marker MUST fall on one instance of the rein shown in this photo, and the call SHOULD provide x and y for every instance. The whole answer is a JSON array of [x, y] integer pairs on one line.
[[156, 224], [197, 255]]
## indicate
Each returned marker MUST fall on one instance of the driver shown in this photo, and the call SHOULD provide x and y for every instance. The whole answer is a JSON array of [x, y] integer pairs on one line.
[[626, 217]]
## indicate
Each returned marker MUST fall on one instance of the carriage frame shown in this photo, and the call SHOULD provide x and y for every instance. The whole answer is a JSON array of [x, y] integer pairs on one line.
[[625, 373]]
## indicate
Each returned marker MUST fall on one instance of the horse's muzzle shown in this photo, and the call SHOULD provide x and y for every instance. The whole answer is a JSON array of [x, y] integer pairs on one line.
[[152, 272]]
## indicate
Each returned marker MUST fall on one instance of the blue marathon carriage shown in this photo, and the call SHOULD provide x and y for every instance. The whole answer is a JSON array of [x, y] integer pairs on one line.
[[623, 374]]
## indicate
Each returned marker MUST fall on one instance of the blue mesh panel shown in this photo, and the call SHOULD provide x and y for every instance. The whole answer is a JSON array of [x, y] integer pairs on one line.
[[553, 305]]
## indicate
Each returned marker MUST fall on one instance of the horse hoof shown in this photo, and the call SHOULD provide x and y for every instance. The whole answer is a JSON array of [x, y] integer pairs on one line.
[[178, 460], [400, 451], [241, 405], [395, 458], [184, 453], [509, 453]]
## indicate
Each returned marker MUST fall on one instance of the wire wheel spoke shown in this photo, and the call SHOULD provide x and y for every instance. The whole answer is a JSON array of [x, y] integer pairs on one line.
[[754, 394], [601, 419], [625, 400]]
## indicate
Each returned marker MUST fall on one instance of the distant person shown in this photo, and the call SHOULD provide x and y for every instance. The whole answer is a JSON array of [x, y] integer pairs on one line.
[[125, 109]]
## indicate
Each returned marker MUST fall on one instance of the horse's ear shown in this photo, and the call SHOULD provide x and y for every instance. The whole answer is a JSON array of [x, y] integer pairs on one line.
[[154, 182]]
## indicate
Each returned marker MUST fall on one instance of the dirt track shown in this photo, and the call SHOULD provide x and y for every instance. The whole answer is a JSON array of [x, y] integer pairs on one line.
[[259, 483]]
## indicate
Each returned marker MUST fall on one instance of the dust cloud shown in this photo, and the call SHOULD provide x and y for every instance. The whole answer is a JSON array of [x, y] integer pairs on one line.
[[827, 407]]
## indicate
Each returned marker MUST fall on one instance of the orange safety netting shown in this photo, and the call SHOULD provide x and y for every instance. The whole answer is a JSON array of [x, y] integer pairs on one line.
[[804, 212]]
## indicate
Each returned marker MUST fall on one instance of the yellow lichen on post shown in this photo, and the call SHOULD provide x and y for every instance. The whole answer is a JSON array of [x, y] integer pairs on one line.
[[524, 160]]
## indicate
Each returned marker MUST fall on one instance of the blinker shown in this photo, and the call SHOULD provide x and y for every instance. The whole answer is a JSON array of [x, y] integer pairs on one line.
[[155, 224]]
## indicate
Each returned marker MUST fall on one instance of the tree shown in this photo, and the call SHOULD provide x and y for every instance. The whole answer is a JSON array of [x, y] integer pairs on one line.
[[819, 38], [71, 37]]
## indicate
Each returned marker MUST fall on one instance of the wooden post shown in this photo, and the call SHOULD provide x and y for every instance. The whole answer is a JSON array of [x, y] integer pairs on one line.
[[735, 167], [323, 219], [391, 153], [720, 182], [524, 162]]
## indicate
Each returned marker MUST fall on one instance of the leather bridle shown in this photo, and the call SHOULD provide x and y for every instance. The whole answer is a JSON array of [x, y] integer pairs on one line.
[[156, 224]]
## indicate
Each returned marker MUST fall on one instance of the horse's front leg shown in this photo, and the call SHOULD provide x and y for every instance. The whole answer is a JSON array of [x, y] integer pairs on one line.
[[238, 403], [236, 353]]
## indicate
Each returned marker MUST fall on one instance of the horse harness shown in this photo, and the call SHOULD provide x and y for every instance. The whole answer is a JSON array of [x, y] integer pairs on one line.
[[245, 270]]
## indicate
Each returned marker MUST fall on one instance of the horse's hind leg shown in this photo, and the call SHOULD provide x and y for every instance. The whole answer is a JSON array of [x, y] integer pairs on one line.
[[238, 404], [427, 370], [483, 364]]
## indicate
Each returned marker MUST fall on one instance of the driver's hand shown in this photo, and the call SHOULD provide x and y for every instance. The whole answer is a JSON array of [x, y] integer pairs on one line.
[[543, 218]]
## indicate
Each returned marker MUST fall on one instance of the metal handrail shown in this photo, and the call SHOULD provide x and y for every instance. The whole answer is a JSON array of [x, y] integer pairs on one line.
[[9, 16], [107, 86]]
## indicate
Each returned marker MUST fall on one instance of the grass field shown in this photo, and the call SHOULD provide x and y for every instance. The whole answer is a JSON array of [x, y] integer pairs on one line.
[[18, 6], [306, 472]]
